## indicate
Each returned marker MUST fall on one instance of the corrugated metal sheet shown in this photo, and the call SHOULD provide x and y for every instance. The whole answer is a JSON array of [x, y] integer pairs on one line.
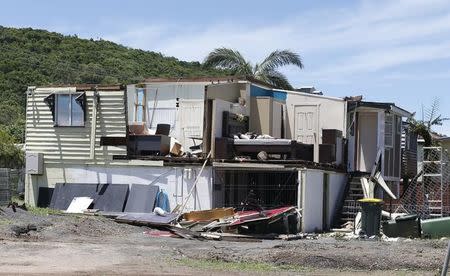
[[72, 144]]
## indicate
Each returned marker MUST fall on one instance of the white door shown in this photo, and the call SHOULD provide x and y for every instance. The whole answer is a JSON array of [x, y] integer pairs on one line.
[[191, 118], [307, 125]]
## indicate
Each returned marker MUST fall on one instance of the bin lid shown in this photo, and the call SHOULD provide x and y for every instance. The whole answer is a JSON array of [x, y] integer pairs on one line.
[[370, 200]]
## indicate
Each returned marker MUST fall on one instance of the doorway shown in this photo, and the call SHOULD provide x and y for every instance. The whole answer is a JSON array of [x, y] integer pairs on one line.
[[307, 126]]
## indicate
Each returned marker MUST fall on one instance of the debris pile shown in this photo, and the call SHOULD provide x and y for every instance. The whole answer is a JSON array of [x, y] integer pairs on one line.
[[223, 224]]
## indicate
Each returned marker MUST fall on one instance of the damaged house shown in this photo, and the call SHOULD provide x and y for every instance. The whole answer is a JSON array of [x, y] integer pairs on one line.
[[130, 144]]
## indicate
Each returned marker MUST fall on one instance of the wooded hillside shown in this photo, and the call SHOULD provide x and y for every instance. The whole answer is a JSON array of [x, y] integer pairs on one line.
[[38, 57]]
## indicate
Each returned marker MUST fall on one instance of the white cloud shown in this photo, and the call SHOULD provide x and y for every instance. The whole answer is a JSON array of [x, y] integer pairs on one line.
[[418, 76], [375, 60], [371, 36], [142, 37]]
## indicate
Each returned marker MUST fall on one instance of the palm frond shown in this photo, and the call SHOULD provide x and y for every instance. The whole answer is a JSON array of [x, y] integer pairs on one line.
[[276, 79], [279, 58], [431, 113], [225, 58], [438, 121]]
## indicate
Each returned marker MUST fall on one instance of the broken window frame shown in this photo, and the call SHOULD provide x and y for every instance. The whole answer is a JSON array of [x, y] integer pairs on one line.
[[78, 98]]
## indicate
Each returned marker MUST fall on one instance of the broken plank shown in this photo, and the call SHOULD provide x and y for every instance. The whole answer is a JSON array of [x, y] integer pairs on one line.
[[207, 215], [185, 233], [146, 219]]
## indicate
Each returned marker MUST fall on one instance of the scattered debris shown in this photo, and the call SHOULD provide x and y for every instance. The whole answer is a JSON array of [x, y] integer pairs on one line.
[[299, 236], [146, 219], [209, 214], [160, 233], [15, 205], [23, 230]]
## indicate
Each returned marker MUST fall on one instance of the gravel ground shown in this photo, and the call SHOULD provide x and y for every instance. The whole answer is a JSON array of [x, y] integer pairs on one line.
[[76, 244]]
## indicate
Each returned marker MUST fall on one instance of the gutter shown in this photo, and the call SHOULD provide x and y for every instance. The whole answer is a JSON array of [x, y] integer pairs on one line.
[[401, 111]]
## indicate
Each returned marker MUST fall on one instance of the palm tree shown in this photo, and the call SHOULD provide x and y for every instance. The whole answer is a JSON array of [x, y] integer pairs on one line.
[[225, 58], [430, 118]]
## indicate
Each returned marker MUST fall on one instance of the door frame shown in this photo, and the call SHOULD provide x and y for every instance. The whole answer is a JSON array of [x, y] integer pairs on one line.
[[317, 127], [182, 121], [358, 150]]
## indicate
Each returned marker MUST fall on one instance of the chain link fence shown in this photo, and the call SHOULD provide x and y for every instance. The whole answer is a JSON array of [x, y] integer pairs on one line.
[[427, 195], [12, 184]]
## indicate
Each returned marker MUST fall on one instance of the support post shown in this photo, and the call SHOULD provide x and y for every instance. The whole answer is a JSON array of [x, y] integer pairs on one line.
[[445, 266]]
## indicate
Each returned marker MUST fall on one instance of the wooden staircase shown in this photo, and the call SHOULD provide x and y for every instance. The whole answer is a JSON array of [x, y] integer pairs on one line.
[[354, 192]]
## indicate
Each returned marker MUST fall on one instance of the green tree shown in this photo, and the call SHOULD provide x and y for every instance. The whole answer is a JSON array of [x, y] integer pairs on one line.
[[225, 58], [31, 57], [11, 156], [430, 118]]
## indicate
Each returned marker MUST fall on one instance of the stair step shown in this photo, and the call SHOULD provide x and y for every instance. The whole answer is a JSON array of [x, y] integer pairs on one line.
[[350, 202], [355, 184], [352, 210], [349, 213], [351, 206], [360, 196], [355, 187]]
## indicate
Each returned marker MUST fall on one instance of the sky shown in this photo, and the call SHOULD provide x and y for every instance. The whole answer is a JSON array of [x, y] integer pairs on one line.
[[393, 51]]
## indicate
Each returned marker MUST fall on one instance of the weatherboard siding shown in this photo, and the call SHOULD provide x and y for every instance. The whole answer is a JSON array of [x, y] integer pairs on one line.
[[72, 144]]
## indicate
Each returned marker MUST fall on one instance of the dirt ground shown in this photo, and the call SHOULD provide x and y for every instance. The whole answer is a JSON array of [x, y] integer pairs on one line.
[[85, 245]]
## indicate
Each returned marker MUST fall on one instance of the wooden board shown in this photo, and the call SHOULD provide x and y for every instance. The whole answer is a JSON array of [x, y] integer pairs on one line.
[[146, 219], [209, 214]]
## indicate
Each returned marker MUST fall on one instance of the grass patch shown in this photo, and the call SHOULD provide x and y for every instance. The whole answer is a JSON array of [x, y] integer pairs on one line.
[[43, 211], [17, 199], [5, 221], [239, 266]]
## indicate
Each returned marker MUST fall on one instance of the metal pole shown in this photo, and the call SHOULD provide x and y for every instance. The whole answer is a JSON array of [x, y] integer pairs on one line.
[[180, 209], [445, 266]]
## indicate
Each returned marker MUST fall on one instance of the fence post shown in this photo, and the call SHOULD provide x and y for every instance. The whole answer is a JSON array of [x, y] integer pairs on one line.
[[445, 266]]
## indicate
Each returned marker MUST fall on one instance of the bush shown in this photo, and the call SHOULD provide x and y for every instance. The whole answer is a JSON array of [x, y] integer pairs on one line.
[[11, 155]]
